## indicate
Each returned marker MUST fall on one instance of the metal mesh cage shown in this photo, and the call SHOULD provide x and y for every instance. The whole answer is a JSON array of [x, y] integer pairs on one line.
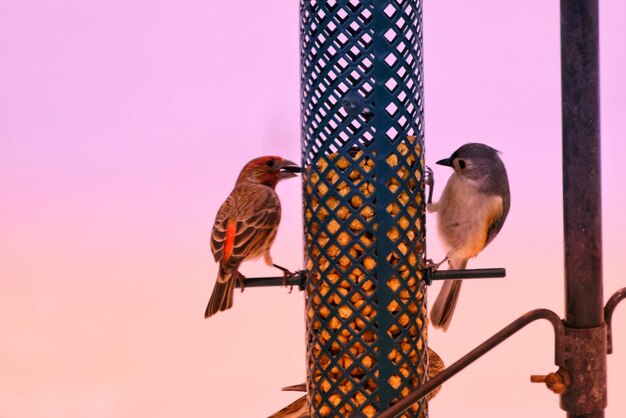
[[362, 141]]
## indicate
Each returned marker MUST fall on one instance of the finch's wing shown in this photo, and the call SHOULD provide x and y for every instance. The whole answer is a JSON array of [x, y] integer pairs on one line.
[[220, 227], [249, 219], [256, 224]]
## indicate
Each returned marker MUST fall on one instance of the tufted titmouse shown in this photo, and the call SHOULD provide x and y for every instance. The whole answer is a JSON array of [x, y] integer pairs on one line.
[[471, 212]]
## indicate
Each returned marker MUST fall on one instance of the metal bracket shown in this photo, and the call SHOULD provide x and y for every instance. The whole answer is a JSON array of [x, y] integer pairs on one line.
[[478, 352], [299, 278], [581, 378], [608, 316], [431, 274], [585, 363]]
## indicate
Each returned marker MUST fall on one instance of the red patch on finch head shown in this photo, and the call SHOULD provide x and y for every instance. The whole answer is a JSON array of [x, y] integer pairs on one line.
[[231, 231], [261, 161], [262, 170]]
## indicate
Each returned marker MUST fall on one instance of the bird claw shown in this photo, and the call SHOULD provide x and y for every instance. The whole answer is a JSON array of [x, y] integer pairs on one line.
[[431, 265], [428, 175], [429, 181], [241, 279], [286, 274]]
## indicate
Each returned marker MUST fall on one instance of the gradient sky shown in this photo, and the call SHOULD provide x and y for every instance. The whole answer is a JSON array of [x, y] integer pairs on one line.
[[123, 126]]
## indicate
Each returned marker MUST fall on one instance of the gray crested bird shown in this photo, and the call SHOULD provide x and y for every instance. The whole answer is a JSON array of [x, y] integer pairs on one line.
[[470, 212]]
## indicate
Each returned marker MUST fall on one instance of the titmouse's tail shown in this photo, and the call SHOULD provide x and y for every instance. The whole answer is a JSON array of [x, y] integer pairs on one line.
[[443, 308], [222, 296]]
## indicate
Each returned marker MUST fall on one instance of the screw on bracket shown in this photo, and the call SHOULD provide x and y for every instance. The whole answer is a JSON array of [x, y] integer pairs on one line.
[[556, 382]]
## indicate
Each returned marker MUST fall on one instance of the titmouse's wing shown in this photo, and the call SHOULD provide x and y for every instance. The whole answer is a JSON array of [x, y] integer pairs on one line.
[[497, 223]]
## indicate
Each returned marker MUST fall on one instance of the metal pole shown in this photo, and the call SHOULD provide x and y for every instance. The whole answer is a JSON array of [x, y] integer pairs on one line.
[[584, 317], [581, 162]]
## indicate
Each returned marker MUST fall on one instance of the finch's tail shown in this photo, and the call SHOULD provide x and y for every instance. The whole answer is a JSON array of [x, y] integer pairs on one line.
[[222, 296]]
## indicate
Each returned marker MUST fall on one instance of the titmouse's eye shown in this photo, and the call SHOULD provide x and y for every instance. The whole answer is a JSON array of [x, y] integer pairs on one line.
[[461, 164], [270, 163]]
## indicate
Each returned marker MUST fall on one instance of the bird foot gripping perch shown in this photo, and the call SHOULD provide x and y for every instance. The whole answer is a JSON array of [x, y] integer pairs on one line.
[[430, 267], [241, 280], [296, 278], [286, 274], [429, 180]]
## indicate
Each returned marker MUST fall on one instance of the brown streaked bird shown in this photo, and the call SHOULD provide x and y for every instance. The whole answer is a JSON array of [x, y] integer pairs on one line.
[[298, 408], [246, 224], [470, 213]]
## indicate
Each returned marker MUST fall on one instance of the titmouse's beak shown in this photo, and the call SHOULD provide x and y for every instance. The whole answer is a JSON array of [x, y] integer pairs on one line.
[[288, 169], [446, 161]]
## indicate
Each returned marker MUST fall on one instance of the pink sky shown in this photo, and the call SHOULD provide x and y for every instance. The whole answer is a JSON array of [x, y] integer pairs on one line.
[[123, 126]]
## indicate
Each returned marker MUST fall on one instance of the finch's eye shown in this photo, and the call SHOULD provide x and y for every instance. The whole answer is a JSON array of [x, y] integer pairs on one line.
[[270, 163], [462, 164]]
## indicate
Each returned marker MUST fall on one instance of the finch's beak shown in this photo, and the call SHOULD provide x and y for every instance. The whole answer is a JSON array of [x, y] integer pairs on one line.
[[288, 169], [446, 161]]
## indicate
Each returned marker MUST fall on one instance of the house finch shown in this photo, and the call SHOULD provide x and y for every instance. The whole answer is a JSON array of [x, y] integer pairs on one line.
[[471, 212], [246, 224], [299, 408]]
